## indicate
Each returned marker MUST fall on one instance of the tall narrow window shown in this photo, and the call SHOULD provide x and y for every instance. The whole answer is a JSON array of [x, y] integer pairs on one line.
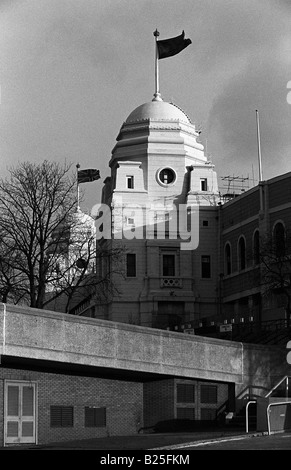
[[279, 239], [131, 265], [242, 253], [256, 247], [205, 267], [130, 182], [169, 265], [203, 184], [227, 260]]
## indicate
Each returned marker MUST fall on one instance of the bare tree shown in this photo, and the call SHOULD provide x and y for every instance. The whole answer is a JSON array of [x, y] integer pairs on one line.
[[275, 267], [100, 286], [47, 248]]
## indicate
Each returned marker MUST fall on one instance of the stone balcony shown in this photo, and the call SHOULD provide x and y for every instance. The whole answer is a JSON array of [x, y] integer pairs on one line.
[[171, 282]]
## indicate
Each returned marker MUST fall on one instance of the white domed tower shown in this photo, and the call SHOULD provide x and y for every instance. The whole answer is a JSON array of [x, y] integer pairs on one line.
[[157, 156], [157, 168]]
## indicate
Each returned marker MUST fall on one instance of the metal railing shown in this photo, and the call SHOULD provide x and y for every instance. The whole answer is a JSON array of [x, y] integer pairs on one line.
[[247, 414], [285, 378], [268, 411]]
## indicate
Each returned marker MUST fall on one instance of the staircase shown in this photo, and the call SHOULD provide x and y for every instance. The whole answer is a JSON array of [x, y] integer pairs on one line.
[[281, 389]]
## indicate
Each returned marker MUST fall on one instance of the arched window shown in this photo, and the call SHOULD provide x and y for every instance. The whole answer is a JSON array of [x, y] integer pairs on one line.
[[227, 258], [256, 247], [279, 239], [242, 253]]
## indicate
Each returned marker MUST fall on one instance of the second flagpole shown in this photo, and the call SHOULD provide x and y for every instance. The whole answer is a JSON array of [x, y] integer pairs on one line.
[[78, 190], [157, 95]]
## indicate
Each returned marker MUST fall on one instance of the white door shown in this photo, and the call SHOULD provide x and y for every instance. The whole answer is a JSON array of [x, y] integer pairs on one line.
[[20, 411]]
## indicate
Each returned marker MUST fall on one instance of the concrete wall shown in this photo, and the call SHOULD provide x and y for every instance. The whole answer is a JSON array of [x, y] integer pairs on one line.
[[49, 336]]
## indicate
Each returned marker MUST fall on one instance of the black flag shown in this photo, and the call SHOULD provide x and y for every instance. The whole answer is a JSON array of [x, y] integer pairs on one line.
[[86, 176], [172, 46]]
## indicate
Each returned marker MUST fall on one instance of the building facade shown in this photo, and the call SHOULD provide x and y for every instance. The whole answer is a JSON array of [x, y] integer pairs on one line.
[[255, 250], [64, 377], [163, 197], [191, 256]]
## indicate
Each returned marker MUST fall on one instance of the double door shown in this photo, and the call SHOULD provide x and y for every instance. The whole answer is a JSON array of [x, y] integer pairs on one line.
[[19, 412]]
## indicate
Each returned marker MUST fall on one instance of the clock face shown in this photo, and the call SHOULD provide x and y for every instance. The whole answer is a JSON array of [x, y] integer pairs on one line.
[[167, 176]]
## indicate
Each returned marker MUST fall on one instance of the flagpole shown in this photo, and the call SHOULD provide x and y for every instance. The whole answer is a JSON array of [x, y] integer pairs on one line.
[[260, 163], [259, 147], [78, 190], [157, 95]]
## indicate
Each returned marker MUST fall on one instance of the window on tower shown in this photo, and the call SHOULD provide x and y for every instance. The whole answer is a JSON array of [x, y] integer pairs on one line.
[[130, 182], [242, 253], [167, 176], [203, 184], [279, 239], [131, 265], [227, 258], [205, 267], [169, 262]]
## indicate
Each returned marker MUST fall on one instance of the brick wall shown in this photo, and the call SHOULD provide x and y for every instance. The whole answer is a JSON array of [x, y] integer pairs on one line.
[[123, 402], [161, 403], [240, 209], [279, 190], [222, 396], [158, 401]]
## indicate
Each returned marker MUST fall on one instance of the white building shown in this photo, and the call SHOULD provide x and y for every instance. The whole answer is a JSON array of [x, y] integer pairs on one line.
[[160, 177]]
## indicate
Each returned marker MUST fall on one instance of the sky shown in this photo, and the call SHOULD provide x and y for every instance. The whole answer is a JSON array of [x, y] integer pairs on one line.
[[71, 71]]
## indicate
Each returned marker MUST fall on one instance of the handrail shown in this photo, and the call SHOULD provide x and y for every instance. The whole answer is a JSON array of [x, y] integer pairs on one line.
[[247, 414], [268, 411], [286, 377]]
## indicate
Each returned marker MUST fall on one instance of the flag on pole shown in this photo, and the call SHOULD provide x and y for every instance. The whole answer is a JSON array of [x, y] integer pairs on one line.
[[172, 46], [86, 176]]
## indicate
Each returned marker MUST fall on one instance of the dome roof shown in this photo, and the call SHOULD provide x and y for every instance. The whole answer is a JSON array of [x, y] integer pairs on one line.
[[157, 111]]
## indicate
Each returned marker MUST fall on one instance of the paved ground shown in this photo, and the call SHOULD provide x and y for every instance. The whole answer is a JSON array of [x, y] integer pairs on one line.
[[276, 442], [140, 441]]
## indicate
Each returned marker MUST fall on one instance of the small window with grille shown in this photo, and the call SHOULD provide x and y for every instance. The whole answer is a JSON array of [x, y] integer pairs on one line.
[[95, 417], [61, 416], [185, 393], [186, 413], [208, 394]]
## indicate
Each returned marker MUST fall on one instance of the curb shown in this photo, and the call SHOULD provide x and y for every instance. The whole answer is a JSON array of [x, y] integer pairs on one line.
[[210, 441]]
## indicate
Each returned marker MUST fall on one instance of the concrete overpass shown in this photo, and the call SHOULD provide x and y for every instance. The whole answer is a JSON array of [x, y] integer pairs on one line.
[[46, 336], [49, 337]]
